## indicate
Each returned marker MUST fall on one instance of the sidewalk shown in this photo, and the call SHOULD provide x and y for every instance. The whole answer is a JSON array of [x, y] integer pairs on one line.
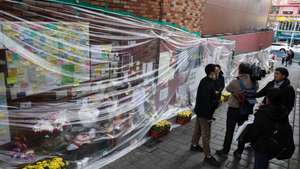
[[172, 151]]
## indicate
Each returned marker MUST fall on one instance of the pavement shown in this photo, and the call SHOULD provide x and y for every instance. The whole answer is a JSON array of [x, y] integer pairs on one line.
[[172, 151]]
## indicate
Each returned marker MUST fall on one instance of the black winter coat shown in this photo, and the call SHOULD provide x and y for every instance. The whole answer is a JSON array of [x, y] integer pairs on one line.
[[288, 93], [263, 127], [206, 101]]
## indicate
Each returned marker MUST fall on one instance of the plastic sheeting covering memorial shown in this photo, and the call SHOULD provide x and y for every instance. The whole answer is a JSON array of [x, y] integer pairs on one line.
[[259, 58], [82, 86]]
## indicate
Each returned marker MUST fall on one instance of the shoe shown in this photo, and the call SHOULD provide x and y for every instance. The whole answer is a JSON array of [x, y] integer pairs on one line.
[[212, 161], [221, 153], [196, 148], [237, 155]]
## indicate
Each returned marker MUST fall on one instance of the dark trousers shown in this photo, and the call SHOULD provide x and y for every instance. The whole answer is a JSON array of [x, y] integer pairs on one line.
[[261, 161], [233, 118]]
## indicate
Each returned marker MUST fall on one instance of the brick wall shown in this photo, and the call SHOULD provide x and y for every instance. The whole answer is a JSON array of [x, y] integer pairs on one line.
[[187, 13], [145, 8]]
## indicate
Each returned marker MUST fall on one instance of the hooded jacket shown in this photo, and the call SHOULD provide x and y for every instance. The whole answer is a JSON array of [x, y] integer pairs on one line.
[[264, 124], [288, 93]]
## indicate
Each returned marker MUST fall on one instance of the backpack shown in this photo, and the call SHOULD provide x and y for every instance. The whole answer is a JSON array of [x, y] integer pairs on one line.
[[281, 143], [247, 99]]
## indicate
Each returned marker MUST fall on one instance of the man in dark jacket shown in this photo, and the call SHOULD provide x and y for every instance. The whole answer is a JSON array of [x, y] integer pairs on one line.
[[266, 118], [206, 103], [282, 82]]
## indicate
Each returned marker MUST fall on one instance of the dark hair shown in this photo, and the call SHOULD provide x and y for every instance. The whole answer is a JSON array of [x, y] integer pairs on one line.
[[221, 72], [283, 71], [209, 69], [274, 96], [245, 68]]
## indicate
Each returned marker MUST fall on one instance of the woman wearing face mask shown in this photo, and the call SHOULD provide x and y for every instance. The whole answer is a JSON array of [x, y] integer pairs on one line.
[[220, 82]]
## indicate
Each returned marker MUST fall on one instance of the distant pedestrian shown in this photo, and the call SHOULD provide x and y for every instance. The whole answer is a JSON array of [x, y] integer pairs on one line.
[[271, 135], [282, 82], [220, 82], [287, 60], [291, 56], [206, 104], [239, 107], [283, 51]]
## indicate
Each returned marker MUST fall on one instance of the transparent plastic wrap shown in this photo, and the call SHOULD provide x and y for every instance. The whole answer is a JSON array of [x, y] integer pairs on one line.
[[83, 86], [219, 51], [258, 58]]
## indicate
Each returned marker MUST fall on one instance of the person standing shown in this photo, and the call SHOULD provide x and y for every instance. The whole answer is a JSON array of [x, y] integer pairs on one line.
[[206, 103], [291, 55], [235, 115], [282, 82], [283, 51], [270, 123], [220, 82], [287, 59]]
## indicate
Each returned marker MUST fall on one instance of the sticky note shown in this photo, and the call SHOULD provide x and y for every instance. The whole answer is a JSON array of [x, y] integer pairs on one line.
[[71, 58], [15, 57], [51, 26], [77, 68], [11, 80], [67, 80], [12, 72]]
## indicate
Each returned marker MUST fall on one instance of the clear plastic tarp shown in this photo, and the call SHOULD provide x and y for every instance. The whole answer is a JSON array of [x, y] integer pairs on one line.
[[259, 58], [86, 85]]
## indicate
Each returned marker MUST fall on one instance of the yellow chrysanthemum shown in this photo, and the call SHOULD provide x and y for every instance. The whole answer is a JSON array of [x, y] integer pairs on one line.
[[185, 114]]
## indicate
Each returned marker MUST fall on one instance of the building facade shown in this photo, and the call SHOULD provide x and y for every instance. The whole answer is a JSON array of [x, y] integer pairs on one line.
[[185, 13], [210, 17], [285, 20], [235, 16]]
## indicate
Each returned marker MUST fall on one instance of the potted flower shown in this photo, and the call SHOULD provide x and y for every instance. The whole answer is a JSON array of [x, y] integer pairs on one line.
[[160, 129], [184, 117], [53, 163]]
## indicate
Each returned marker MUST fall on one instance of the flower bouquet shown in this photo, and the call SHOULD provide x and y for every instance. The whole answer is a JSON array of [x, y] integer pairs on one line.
[[184, 117], [160, 129], [225, 96], [51, 163]]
